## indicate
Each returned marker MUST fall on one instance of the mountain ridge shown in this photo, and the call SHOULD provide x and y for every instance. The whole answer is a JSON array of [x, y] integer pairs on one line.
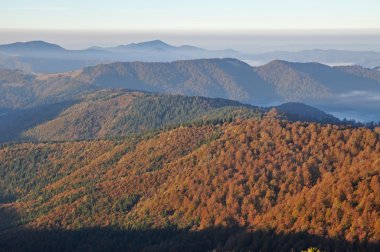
[[37, 46]]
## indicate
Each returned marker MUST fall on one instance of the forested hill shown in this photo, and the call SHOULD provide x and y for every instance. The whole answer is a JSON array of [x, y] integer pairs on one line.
[[110, 114], [117, 113], [259, 185]]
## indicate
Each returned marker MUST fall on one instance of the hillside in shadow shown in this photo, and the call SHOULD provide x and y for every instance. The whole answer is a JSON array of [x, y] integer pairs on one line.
[[215, 239], [14, 122], [8, 217]]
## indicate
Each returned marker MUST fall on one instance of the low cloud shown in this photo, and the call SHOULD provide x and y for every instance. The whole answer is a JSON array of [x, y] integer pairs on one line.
[[362, 95]]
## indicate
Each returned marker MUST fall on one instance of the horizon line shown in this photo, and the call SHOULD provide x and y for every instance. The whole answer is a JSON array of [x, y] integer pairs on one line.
[[205, 31]]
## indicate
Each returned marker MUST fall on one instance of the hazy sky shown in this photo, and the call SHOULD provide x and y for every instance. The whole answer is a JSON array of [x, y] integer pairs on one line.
[[246, 25], [171, 15]]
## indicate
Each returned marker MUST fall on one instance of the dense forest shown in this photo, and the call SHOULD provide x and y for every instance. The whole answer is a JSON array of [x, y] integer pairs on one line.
[[247, 184]]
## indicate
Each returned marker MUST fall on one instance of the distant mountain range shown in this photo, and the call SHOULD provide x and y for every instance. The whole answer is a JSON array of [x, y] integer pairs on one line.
[[43, 57]]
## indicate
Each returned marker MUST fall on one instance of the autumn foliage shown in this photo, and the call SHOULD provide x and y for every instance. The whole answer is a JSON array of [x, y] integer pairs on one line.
[[267, 174]]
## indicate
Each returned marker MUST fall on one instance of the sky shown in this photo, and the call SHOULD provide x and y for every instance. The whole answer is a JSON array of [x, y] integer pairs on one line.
[[246, 25], [201, 15]]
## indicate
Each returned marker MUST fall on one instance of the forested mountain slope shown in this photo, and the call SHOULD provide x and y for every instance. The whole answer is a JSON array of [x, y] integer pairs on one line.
[[263, 185], [116, 113], [110, 114]]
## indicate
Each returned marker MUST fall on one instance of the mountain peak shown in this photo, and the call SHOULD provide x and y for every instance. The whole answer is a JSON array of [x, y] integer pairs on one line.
[[276, 63], [31, 46], [153, 44], [296, 64]]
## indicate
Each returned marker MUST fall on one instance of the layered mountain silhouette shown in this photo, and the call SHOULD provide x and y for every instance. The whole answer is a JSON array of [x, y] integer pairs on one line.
[[185, 155], [154, 45], [333, 89], [43, 57]]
